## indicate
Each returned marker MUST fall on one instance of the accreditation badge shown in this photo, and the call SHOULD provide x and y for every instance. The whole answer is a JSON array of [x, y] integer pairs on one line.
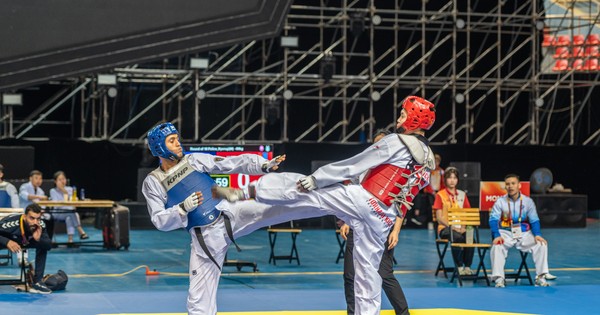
[[517, 233]]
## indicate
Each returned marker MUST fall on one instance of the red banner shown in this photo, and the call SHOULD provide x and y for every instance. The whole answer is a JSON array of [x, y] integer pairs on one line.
[[489, 192]]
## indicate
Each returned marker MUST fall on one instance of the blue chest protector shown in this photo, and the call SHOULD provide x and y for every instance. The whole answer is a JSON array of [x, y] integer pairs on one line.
[[5, 201], [183, 182]]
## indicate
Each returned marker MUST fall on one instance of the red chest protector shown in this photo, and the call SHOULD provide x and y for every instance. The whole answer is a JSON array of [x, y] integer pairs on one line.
[[390, 183]]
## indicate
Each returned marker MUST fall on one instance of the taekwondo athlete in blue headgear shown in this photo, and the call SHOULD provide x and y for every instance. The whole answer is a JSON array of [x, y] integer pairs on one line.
[[178, 196], [185, 186]]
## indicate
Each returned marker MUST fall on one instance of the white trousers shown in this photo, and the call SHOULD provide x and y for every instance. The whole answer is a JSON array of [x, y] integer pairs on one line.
[[526, 243], [246, 217], [370, 221]]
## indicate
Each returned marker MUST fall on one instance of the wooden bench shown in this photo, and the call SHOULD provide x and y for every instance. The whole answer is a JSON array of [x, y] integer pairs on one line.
[[294, 251], [468, 217], [239, 264], [342, 243], [441, 246]]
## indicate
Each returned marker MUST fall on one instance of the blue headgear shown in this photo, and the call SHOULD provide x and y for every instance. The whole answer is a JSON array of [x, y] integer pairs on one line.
[[156, 140]]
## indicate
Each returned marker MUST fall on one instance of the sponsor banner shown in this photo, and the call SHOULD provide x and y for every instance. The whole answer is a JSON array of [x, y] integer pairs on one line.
[[489, 192]]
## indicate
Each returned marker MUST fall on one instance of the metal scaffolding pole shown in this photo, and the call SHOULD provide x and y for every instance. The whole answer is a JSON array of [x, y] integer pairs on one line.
[[481, 62]]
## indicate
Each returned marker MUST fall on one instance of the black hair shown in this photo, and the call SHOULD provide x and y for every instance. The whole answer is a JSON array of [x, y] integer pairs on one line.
[[512, 175], [34, 207], [35, 172], [58, 173], [450, 170], [382, 131]]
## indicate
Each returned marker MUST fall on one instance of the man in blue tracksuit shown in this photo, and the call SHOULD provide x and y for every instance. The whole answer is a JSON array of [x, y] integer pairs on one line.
[[514, 222]]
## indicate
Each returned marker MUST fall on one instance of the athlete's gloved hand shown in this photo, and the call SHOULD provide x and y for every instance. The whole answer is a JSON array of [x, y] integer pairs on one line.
[[273, 164], [307, 183], [190, 203]]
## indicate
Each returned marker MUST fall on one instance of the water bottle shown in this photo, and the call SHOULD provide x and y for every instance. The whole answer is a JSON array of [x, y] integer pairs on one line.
[[82, 194], [469, 235]]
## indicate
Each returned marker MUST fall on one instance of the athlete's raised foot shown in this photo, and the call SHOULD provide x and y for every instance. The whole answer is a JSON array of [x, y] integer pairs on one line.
[[229, 194]]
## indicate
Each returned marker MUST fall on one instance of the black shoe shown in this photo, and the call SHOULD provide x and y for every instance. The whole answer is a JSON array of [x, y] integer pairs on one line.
[[39, 288]]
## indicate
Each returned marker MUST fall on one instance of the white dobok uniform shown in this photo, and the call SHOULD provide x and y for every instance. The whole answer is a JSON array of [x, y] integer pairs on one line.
[[245, 217], [370, 218]]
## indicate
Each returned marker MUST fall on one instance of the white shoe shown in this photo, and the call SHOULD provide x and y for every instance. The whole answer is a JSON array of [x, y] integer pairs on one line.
[[468, 271], [540, 281], [461, 271], [548, 276], [500, 283]]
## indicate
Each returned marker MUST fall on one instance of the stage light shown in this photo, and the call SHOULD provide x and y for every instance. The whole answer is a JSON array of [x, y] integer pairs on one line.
[[460, 23], [288, 94], [198, 63], [12, 99], [539, 102], [357, 23], [376, 20], [112, 92], [107, 79], [289, 41], [459, 98], [273, 111], [201, 94], [375, 96], [539, 25], [327, 67]]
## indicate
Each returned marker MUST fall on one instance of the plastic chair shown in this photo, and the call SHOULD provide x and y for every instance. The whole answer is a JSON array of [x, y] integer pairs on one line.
[[578, 40], [548, 39], [562, 40], [593, 39], [561, 52], [591, 64], [578, 64], [561, 65], [578, 51], [592, 51]]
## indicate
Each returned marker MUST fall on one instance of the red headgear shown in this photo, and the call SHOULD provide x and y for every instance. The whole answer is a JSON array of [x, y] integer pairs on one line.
[[420, 113]]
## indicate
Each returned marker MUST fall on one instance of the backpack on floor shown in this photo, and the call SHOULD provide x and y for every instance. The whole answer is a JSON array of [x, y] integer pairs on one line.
[[57, 281]]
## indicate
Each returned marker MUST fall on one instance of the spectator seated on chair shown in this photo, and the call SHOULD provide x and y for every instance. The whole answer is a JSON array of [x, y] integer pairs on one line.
[[31, 191], [66, 214], [27, 230], [9, 198], [446, 198], [514, 222]]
